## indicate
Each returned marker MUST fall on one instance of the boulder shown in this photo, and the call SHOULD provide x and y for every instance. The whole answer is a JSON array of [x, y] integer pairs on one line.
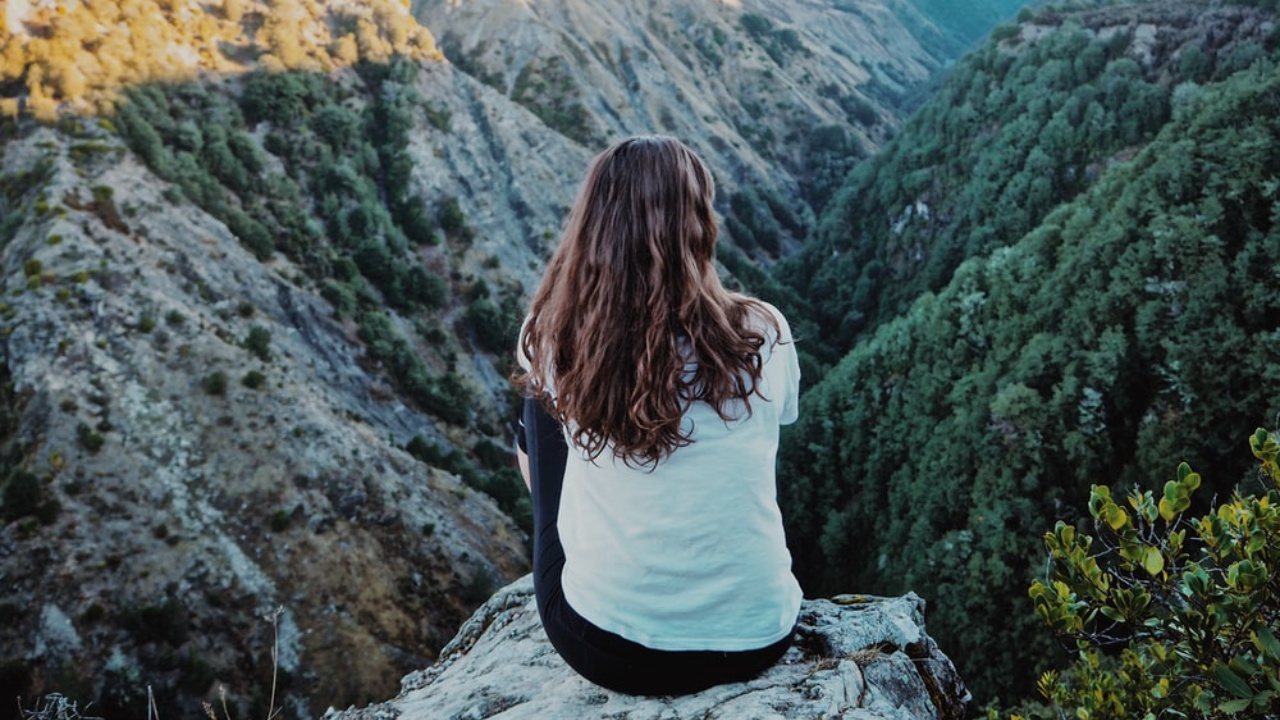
[[855, 657]]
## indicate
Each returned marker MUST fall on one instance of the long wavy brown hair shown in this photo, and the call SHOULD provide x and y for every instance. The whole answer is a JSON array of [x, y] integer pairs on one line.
[[630, 323]]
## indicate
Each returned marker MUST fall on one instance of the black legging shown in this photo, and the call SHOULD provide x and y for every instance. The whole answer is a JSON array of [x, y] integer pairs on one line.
[[600, 656]]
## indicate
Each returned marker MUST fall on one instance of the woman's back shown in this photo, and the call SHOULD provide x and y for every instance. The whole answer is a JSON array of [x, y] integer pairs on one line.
[[689, 554]]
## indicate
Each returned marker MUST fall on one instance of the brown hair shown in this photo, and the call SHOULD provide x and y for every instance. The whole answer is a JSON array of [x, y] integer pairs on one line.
[[631, 282]]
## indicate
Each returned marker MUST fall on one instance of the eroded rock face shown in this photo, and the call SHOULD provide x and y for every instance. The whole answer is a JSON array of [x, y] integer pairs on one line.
[[180, 513], [859, 657]]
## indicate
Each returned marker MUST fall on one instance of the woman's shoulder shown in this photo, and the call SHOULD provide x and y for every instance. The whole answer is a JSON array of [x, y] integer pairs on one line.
[[763, 316]]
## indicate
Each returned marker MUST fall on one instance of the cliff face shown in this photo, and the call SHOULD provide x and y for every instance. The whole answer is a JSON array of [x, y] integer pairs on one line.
[[191, 479], [854, 656]]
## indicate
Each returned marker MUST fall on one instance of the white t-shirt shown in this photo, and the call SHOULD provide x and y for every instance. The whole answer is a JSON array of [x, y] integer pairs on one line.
[[689, 555]]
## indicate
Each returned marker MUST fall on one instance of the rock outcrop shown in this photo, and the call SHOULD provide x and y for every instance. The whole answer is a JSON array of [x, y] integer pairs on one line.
[[855, 656]]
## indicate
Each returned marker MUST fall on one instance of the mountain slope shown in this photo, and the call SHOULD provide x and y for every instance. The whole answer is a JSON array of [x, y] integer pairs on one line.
[[966, 24], [176, 500], [1119, 332], [1023, 125], [780, 98], [255, 359]]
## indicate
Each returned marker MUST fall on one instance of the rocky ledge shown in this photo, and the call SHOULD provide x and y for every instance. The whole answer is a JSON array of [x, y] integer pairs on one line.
[[855, 657]]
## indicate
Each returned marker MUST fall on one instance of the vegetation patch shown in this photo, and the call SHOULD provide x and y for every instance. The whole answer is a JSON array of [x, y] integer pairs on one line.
[[1126, 321], [780, 43]]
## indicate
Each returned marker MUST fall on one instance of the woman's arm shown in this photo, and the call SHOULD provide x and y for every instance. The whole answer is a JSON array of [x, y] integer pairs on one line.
[[523, 461]]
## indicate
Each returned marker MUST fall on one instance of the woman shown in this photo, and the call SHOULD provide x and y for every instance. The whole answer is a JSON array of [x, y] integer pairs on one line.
[[660, 565]]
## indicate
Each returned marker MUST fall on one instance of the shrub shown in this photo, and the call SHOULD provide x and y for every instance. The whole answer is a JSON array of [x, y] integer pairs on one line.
[[167, 623], [492, 455], [341, 296], [258, 342], [438, 117], [411, 215], [252, 233], [279, 520], [1192, 603], [21, 495], [452, 219], [478, 588], [254, 380], [215, 383], [426, 287], [90, 439], [426, 451]]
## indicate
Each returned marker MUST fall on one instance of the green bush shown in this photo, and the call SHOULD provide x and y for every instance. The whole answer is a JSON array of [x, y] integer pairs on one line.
[[1193, 603], [90, 439], [258, 342], [215, 383], [493, 329], [491, 455], [341, 296], [21, 495], [279, 520], [254, 380], [452, 219], [424, 286], [425, 450]]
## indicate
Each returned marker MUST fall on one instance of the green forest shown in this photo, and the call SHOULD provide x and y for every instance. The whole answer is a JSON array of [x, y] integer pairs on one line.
[[1061, 273]]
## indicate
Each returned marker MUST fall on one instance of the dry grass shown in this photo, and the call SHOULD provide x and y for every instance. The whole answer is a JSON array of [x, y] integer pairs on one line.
[[272, 710], [55, 706]]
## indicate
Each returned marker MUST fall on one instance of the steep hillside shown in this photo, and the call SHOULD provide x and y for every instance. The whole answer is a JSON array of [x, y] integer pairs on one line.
[[1022, 125], [1110, 308], [781, 98], [255, 331], [963, 25]]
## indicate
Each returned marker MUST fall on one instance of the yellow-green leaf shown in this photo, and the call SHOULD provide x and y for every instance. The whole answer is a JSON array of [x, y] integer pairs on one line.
[[1116, 517], [1152, 560]]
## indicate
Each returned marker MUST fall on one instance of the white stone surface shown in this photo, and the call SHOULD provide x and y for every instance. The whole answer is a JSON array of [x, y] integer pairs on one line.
[[854, 657]]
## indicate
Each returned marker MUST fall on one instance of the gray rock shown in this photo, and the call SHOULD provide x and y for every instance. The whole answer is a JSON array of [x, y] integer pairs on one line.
[[854, 657]]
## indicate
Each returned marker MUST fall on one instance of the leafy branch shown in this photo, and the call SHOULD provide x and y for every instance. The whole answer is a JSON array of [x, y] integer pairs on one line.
[[1190, 603]]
